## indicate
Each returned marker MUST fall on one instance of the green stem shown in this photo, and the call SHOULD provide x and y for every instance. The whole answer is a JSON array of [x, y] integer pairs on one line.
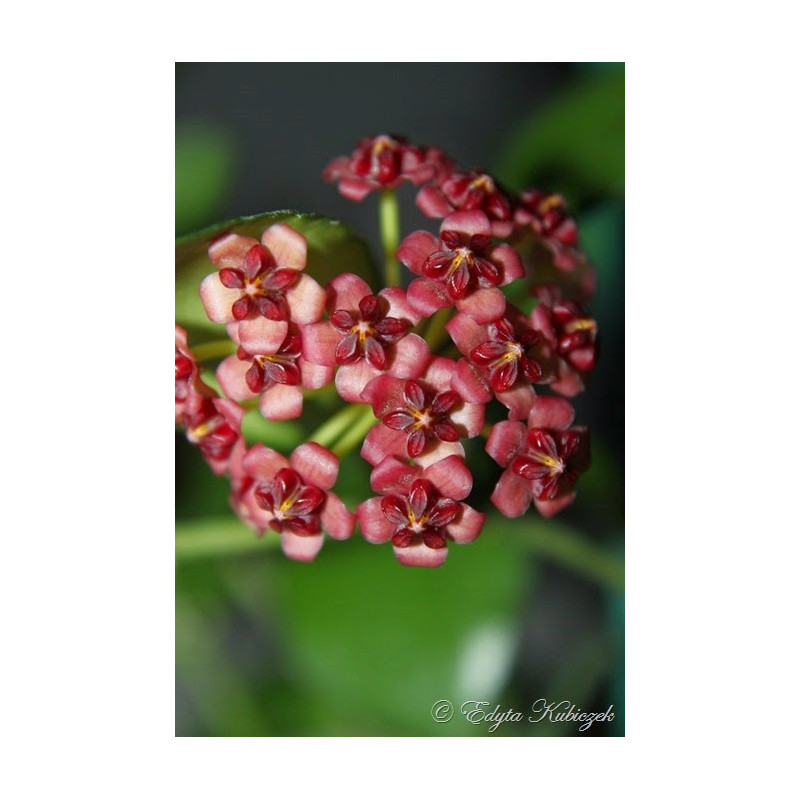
[[355, 435], [212, 350], [389, 212], [436, 333], [334, 427], [215, 537]]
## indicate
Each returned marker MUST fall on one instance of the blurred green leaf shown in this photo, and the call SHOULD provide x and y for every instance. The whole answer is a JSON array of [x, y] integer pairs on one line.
[[580, 137], [332, 249], [378, 641], [203, 175]]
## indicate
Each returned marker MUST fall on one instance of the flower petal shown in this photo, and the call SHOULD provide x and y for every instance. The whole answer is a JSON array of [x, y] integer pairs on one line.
[[319, 343], [217, 299], [375, 528], [382, 442], [229, 250], [471, 417], [468, 526], [432, 203], [301, 548], [288, 247], [315, 464], [469, 223], [306, 300], [426, 297], [466, 333], [518, 400], [231, 377], [507, 258], [512, 495], [261, 335], [337, 519], [420, 555], [384, 393], [314, 376], [409, 357], [450, 476], [393, 476], [505, 441], [415, 248], [346, 291], [470, 384], [548, 508], [484, 305], [398, 306], [262, 462], [352, 378], [281, 402], [551, 412]]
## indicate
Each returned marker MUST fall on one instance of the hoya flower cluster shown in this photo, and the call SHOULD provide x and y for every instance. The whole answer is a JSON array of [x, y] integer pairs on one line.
[[425, 361]]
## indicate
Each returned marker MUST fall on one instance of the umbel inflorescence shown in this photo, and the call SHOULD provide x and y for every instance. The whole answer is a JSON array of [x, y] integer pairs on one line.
[[423, 362]]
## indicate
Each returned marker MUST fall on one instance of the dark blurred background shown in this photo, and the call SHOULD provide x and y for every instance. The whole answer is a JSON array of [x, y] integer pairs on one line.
[[354, 644]]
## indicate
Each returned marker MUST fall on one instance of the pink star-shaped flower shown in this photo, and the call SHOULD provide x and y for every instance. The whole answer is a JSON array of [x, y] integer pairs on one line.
[[420, 510]]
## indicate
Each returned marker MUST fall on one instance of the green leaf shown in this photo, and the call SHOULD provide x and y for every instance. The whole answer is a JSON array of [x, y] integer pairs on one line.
[[580, 138], [332, 249], [203, 175]]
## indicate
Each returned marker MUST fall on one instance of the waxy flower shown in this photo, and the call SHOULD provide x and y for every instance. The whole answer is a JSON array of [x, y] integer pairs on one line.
[[186, 373], [420, 510], [547, 217], [382, 162], [261, 285], [214, 424], [277, 376], [543, 459], [423, 418], [462, 268], [365, 336], [469, 191], [503, 359], [293, 497], [569, 336]]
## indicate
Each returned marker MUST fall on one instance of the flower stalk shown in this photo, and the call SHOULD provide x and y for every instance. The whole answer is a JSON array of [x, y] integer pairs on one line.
[[389, 214]]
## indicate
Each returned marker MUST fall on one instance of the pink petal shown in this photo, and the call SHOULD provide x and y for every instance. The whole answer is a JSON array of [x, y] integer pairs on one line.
[[281, 402], [354, 189], [336, 519], [288, 247], [505, 441], [262, 462], [467, 528], [484, 305], [306, 300], [231, 376], [382, 442], [451, 477], [466, 333], [415, 248], [512, 495], [470, 223], [507, 257], [418, 555], [301, 548], [228, 251], [551, 412], [438, 450], [231, 411], [398, 304], [569, 382], [393, 476], [374, 526], [345, 291], [352, 378], [549, 508], [470, 384], [319, 343], [439, 373], [518, 400], [337, 168], [502, 228], [261, 335], [541, 321], [218, 299], [384, 393], [315, 465], [314, 376], [432, 203], [409, 357], [426, 297], [471, 416]]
